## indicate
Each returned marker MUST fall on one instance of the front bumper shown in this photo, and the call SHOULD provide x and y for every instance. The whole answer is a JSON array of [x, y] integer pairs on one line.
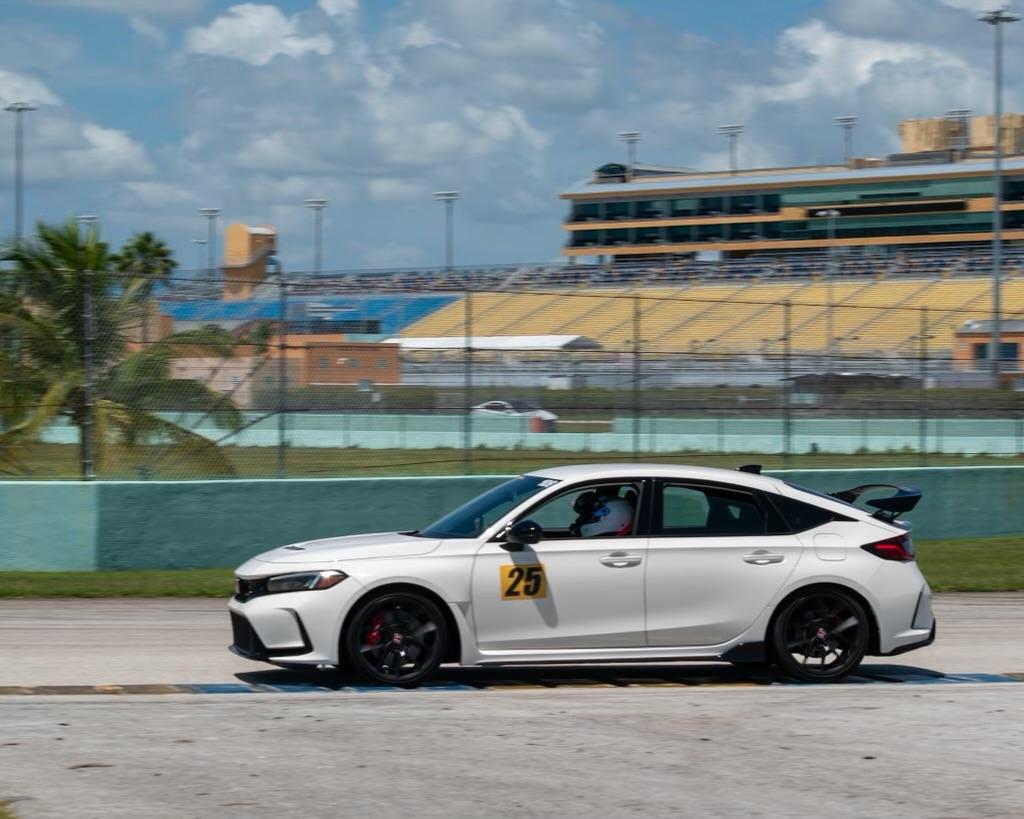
[[294, 627], [247, 643]]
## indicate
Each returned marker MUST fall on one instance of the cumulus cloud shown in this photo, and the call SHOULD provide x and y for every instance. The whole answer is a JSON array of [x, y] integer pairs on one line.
[[147, 30], [339, 8], [255, 34]]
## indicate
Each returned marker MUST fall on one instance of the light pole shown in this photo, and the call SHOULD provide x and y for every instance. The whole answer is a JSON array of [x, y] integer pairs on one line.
[[733, 132], [18, 109], [199, 245], [317, 205], [87, 222], [449, 198], [210, 215], [846, 123], [831, 214], [962, 117], [631, 138], [997, 19]]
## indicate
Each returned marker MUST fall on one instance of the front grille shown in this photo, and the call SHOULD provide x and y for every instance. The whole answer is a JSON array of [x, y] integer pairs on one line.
[[248, 589], [246, 640]]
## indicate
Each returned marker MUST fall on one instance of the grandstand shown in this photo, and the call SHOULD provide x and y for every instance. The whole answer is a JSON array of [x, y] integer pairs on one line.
[[683, 306]]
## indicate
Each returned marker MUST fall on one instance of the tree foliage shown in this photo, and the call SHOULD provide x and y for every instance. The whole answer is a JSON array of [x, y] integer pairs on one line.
[[43, 350]]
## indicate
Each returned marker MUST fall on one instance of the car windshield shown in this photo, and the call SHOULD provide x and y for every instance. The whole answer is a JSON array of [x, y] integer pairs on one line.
[[470, 519]]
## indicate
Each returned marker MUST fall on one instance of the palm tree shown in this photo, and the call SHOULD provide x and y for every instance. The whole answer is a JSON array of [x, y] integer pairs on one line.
[[42, 366]]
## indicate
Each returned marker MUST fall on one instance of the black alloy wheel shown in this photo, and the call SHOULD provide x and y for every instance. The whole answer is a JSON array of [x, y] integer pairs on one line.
[[396, 638], [820, 635]]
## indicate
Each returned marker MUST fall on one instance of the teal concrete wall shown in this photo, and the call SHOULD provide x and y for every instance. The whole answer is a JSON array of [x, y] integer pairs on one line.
[[121, 525], [222, 523], [765, 435], [48, 525]]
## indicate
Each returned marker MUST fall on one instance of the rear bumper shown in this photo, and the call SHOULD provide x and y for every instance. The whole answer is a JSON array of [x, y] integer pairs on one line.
[[927, 641]]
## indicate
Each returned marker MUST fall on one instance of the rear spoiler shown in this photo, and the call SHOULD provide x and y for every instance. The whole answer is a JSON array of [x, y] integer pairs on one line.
[[887, 509]]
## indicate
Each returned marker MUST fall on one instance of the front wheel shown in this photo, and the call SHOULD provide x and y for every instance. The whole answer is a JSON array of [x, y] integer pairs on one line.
[[396, 638], [820, 635]]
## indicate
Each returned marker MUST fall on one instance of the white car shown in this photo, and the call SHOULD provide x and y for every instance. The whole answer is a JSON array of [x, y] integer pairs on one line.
[[601, 563], [514, 407]]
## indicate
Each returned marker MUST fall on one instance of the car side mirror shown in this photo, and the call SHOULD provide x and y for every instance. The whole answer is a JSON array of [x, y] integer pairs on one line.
[[523, 533]]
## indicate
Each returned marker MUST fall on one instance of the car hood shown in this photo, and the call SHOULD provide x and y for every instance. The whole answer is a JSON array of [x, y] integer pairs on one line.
[[351, 547]]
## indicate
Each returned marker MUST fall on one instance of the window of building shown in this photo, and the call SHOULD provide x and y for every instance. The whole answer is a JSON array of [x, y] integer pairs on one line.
[[710, 233], [586, 211], [586, 238], [353, 362], [653, 209], [235, 379], [743, 204], [268, 379], [680, 233], [617, 210], [617, 236], [1008, 351], [382, 364], [648, 236], [711, 206], [684, 207], [324, 363]]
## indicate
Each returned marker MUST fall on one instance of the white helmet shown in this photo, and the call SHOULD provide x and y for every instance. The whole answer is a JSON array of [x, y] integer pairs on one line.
[[601, 515]]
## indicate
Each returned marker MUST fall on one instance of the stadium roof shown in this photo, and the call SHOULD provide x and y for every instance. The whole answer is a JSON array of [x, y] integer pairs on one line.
[[788, 176], [551, 343]]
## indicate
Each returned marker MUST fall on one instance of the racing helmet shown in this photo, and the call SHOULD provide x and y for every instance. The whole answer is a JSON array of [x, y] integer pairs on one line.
[[602, 515]]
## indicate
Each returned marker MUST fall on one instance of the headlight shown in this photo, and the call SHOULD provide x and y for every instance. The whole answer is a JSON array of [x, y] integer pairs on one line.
[[304, 581]]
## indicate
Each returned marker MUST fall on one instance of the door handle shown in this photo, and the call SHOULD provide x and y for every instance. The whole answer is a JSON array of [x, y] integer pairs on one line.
[[621, 560], [763, 557]]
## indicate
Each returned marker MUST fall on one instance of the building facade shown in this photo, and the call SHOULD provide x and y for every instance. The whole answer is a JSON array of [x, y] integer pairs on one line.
[[928, 197]]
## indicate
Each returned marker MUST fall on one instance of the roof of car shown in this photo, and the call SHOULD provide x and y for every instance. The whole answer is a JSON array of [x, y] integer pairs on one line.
[[631, 470]]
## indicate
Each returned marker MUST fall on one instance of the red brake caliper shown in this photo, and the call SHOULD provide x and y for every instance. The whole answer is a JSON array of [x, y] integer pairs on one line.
[[373, 632]]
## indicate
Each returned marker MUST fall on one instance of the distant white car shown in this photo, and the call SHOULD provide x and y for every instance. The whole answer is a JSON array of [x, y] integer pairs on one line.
[[514, 407], [619, 562]]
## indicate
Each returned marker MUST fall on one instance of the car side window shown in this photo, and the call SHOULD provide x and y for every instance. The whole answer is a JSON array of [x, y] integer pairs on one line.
[[800, 516], [557, 515], [686, 510]]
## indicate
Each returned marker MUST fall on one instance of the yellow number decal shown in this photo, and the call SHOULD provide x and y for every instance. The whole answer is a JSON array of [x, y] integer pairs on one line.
[[524, 581]]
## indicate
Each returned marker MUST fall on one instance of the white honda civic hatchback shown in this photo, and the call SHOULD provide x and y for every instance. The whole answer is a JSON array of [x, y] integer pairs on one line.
[[602, 563]]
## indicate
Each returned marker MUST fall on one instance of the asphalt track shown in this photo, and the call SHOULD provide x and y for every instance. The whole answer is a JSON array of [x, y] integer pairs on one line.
[[931, 734]]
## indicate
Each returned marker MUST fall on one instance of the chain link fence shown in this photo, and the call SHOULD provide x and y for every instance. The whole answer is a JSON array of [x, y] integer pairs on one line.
[[311, 376]]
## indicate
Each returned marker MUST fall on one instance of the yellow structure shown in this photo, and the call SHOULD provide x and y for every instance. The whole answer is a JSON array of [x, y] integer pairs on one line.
[[876, 317], [246, 248]]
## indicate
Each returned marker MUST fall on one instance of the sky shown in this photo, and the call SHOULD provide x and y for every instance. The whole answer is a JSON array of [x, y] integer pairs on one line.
[[151, 109]]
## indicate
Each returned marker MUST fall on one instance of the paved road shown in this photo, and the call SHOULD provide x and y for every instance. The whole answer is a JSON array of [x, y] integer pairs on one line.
[[836, 751], [874, 750], [95, 642]]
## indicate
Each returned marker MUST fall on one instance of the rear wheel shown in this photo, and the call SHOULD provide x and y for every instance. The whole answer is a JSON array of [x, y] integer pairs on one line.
[[396, 638], [820, 635]]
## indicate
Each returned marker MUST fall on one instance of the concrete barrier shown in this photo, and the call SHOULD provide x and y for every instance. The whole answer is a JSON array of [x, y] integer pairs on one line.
[[177, 524]]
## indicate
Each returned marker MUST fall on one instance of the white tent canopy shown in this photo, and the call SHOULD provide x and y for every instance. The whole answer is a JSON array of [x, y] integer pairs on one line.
[[549, 343]]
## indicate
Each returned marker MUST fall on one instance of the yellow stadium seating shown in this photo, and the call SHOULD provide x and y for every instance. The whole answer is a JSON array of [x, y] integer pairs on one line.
[[867, 315]]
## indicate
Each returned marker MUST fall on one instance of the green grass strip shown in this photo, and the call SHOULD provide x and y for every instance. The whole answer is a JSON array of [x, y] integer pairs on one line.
[[974, 564]]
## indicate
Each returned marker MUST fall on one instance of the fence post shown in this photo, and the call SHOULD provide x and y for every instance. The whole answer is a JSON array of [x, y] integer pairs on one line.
[[636, 376], [922, 410], [787, 419], [467, 385], [88, 460], [282, 372]]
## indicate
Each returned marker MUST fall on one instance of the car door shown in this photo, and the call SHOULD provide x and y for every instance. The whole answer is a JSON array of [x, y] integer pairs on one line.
[[566, 591], [712, 566]]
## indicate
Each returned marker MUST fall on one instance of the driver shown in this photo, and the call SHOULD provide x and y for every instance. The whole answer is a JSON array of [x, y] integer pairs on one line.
[[600, 514]]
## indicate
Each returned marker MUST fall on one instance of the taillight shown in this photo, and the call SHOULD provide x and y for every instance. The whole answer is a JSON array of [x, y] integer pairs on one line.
[[894, 548]]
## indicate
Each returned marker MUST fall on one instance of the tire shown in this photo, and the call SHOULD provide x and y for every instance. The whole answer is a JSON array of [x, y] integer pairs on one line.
[[820, 635], [396, 638]]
